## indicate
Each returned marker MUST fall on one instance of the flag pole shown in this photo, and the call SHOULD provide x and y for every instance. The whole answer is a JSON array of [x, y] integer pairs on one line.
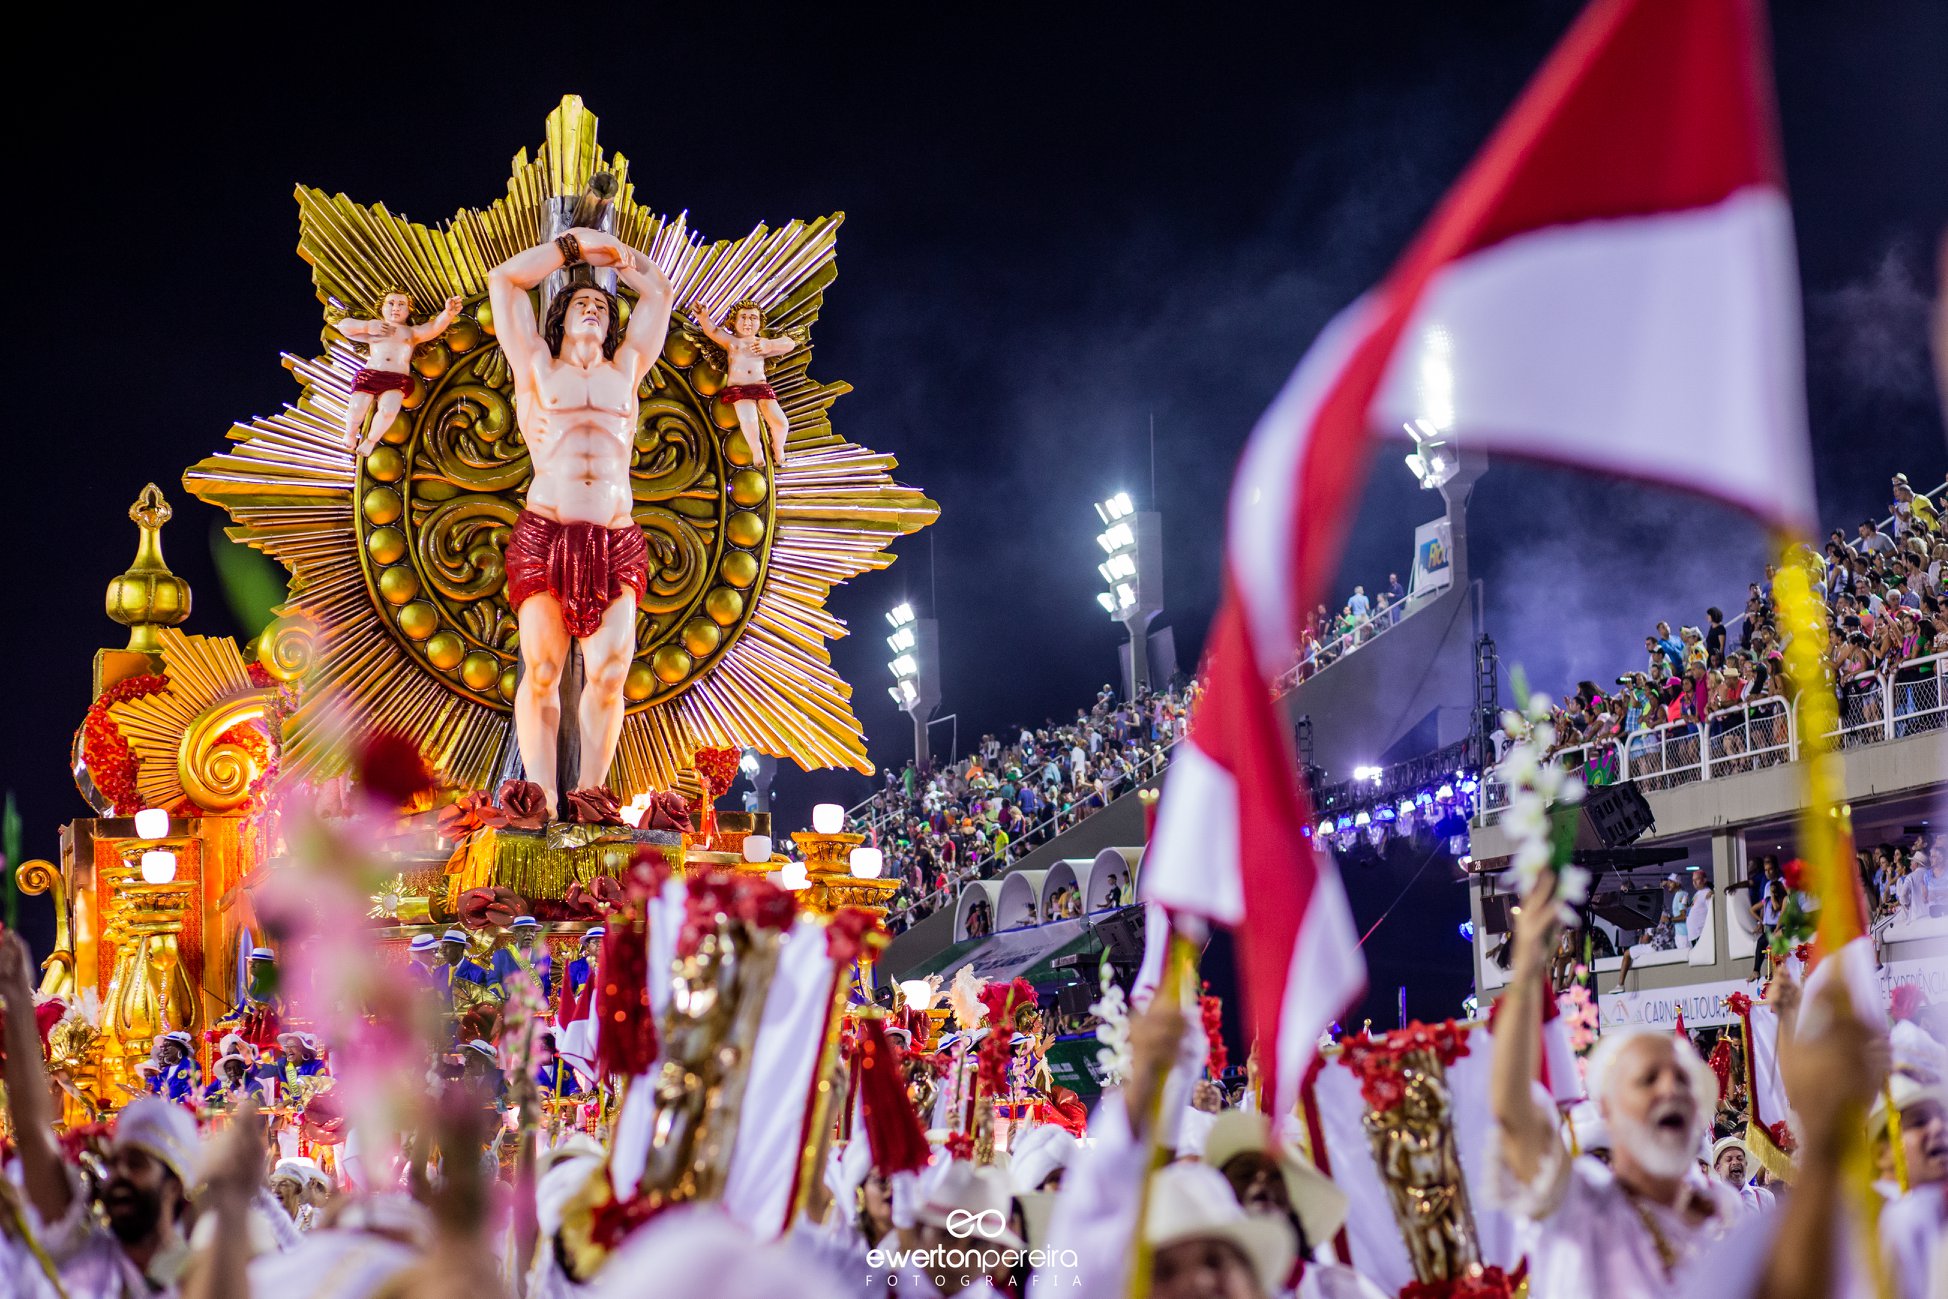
[[1825, 837], [1180, 962]]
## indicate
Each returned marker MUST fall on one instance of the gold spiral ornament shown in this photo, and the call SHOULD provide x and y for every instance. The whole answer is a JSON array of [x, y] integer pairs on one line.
[[288, 647], [215, 769]]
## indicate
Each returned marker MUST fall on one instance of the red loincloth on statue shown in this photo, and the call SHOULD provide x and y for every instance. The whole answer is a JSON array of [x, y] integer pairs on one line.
[[583, 565], [378, 381], [748, 392]]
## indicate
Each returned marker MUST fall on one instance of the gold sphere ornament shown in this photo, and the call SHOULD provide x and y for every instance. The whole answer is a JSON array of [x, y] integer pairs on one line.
[[433, 360], [745, 528], [418, 620], [739, 568], [483, 315], [707, 379], [462, 335], [737, 451], [510, 678], [640, 684], [724, 606], [445, 650], [398, 585], [748, 488], [670, 664], [400, 431], [382, 505], [724, 415], [680, 350], [701, 636], [480, 670], [387, 545], [385, 465]]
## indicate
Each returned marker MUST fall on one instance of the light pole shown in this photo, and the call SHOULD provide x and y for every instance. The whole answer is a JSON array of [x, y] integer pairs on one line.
[[1132, 569], [915, 643]]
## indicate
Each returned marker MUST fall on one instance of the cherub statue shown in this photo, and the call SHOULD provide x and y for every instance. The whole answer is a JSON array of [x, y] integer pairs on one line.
[[747, 393], [389, 343]]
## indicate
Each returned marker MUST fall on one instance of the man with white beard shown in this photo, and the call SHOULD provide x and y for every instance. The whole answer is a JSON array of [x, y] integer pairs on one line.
[[1728, 1160], [1628, 1229]]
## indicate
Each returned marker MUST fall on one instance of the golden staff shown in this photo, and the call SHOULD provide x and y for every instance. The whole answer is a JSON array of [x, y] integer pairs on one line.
[[1179, 964]]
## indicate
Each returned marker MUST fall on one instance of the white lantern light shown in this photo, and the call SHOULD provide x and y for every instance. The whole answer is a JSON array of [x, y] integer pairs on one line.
[[158, 866], [828, 818], [152, 823], [917, 993], [792, 876], [867, 863], [757, 848]]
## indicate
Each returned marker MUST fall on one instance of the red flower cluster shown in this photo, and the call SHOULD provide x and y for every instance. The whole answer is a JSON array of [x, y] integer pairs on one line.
[[960, 1145], [523, 805], [1211, 1011], [1720, 1061], [472, 811], [1007, 1002], [111, 763], [1377, 1061], [78, 1141], [1489, 1283], [602, 896], [1794, 874], [668, 810], [851, 932], [593, 806], [1739, 1003], [1782, 1137], [991, 1059], [718, 767]]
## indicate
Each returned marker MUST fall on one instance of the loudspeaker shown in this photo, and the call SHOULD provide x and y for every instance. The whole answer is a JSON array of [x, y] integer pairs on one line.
[[1075, 998], [1122, 936], [1628, 909], [1614, 815]]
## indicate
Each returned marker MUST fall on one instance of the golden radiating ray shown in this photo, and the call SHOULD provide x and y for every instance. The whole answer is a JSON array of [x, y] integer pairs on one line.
[[202, 670], [291, 489]]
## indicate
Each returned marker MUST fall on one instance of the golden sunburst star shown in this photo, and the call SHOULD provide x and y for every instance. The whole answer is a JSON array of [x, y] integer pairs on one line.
[[397, 556]]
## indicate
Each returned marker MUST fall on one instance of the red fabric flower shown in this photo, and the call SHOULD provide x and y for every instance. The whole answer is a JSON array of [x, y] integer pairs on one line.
[[391, 768], [602, 895], [523, 804], [764, 905], [1739, 1003], [471, 811], [1377, 1061], [668, 810], [594, 806], [1794, 874], [79, 1140], [322, 1121], [1720, 1061], [493, 906], [960, 1145], [626, 1044], [111, 763], [852, 931]]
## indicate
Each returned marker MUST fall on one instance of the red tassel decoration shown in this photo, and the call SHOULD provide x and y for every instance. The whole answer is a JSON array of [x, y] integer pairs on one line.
[[893, 1130], [626, 1034]]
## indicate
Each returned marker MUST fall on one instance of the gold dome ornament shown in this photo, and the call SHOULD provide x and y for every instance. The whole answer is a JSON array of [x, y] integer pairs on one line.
[[148, 597]]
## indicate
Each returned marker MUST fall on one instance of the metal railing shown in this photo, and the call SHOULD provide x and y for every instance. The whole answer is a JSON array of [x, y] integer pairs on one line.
[[1874, 707], [1323, 653]]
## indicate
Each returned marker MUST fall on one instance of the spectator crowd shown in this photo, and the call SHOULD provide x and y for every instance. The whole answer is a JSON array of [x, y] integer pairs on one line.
[[1883, 587], [972, 818]]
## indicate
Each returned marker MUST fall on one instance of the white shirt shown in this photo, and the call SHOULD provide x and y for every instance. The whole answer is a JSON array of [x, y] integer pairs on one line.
[[1911, 1233], [1592, 1237]]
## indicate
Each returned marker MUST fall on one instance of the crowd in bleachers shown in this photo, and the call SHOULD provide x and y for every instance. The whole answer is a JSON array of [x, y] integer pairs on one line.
[[1883, 586], [1327, 637], [970, 819]]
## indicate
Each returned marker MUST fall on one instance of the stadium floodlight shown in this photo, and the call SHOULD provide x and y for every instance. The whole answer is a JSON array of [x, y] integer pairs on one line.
[[904, 668], [901, 641], [901, 615], [1125, 595], [1107, 601], [1118, 537], [915, 666], [1367, 773], [1432, 460], [1116, 507]]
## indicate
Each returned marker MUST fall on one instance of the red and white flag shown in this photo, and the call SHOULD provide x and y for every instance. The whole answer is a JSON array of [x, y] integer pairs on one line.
[[1610, 285]]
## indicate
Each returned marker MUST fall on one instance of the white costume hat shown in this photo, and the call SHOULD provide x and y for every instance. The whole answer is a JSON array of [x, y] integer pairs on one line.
[[454, 936], [698, 1252], [164, 1130], [1722, 1144], [524, 922], [1907, 1092], [1039, 1152], [485, 1048], [423, 943], [971, 1203], [262, 954], [1316, 1199], [1193, 1202]]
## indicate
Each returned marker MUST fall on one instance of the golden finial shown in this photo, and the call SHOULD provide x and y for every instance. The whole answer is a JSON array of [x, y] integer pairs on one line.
[[148, 596]]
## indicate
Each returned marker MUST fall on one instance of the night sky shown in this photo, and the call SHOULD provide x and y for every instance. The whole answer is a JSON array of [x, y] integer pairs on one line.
[[1058, 229]]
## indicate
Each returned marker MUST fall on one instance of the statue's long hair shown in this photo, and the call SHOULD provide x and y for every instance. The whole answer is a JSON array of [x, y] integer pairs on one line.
[[555, 325]]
